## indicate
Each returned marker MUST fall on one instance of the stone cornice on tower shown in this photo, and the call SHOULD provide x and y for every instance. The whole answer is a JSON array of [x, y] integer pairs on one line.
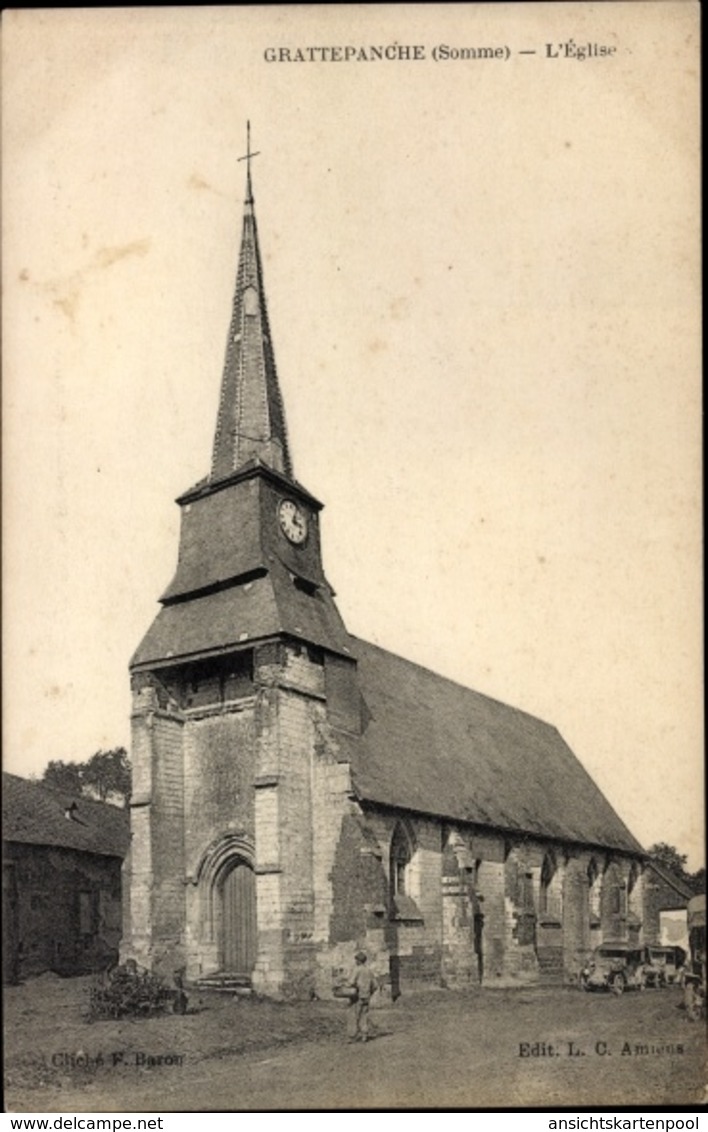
[[251, 419]]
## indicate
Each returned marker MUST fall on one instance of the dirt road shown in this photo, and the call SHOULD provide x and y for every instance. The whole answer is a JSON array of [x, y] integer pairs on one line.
[[542, 1048]]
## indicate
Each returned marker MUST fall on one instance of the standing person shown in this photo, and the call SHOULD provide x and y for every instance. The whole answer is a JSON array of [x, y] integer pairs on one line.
[[365, 984]]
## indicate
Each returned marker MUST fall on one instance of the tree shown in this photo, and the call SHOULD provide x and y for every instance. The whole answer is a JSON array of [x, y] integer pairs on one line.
[[108, 773], [63, 776], [697, 881], [674, 862], [105, 776], [669, 858]]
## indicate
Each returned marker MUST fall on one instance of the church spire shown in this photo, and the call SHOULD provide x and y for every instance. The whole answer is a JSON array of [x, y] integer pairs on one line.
[[251, 420]]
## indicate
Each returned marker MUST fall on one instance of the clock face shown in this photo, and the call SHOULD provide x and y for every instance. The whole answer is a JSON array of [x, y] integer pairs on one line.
[[293, 521]]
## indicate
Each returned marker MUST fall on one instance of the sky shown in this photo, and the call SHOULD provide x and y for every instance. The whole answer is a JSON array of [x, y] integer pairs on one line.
[[483, 285]]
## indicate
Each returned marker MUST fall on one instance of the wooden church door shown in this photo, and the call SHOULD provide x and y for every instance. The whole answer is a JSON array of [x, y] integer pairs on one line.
[[239, 919]]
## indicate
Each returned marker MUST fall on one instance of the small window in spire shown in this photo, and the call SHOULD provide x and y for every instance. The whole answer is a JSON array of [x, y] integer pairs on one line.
[[250, 301], [305, 586]]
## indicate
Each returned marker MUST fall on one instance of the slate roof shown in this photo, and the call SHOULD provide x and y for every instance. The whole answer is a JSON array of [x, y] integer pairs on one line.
[[262, 608], [238, 580], [209, 554], [34, 814], [251, 419], [435, 747]]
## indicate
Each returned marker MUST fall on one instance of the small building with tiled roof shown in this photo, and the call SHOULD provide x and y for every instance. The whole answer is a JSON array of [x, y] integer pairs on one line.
[[666, 899], [300, 794], [62, 859]]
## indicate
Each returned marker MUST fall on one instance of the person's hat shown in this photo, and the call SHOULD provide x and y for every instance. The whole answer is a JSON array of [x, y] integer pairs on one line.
[[361, 956]]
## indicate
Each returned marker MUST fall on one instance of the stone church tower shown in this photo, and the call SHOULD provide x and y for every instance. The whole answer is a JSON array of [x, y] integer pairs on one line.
[[299, 793], [233, 686]]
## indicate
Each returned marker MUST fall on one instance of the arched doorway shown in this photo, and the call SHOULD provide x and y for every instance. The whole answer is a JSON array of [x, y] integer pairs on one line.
[[239, 929], [225, 920]]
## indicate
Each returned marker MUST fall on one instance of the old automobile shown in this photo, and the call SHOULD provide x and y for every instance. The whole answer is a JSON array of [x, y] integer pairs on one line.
[[663, 964], [616, 967]]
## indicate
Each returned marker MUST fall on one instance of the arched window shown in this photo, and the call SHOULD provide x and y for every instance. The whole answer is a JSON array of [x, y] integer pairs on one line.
[[634, 897], [526, 901], [614, 898], [618, 892], [546, 876], [632, 878], [401, 855], [548, 897], [402, 878], [594, 889]]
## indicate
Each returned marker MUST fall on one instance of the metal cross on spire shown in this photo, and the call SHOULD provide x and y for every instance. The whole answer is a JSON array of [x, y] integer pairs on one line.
[[247, 157]]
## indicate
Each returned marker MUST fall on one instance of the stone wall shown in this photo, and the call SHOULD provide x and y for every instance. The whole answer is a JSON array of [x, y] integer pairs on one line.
[[66, 909], [154, 869], [659, 895], [193, 770], [261, 775], [219, 822], [405, 940]]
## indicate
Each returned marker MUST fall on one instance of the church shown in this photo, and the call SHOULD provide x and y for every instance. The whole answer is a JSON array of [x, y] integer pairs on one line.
[[300, 794]]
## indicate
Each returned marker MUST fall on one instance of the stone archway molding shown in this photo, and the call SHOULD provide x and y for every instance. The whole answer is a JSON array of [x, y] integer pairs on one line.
[[219, 854]]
